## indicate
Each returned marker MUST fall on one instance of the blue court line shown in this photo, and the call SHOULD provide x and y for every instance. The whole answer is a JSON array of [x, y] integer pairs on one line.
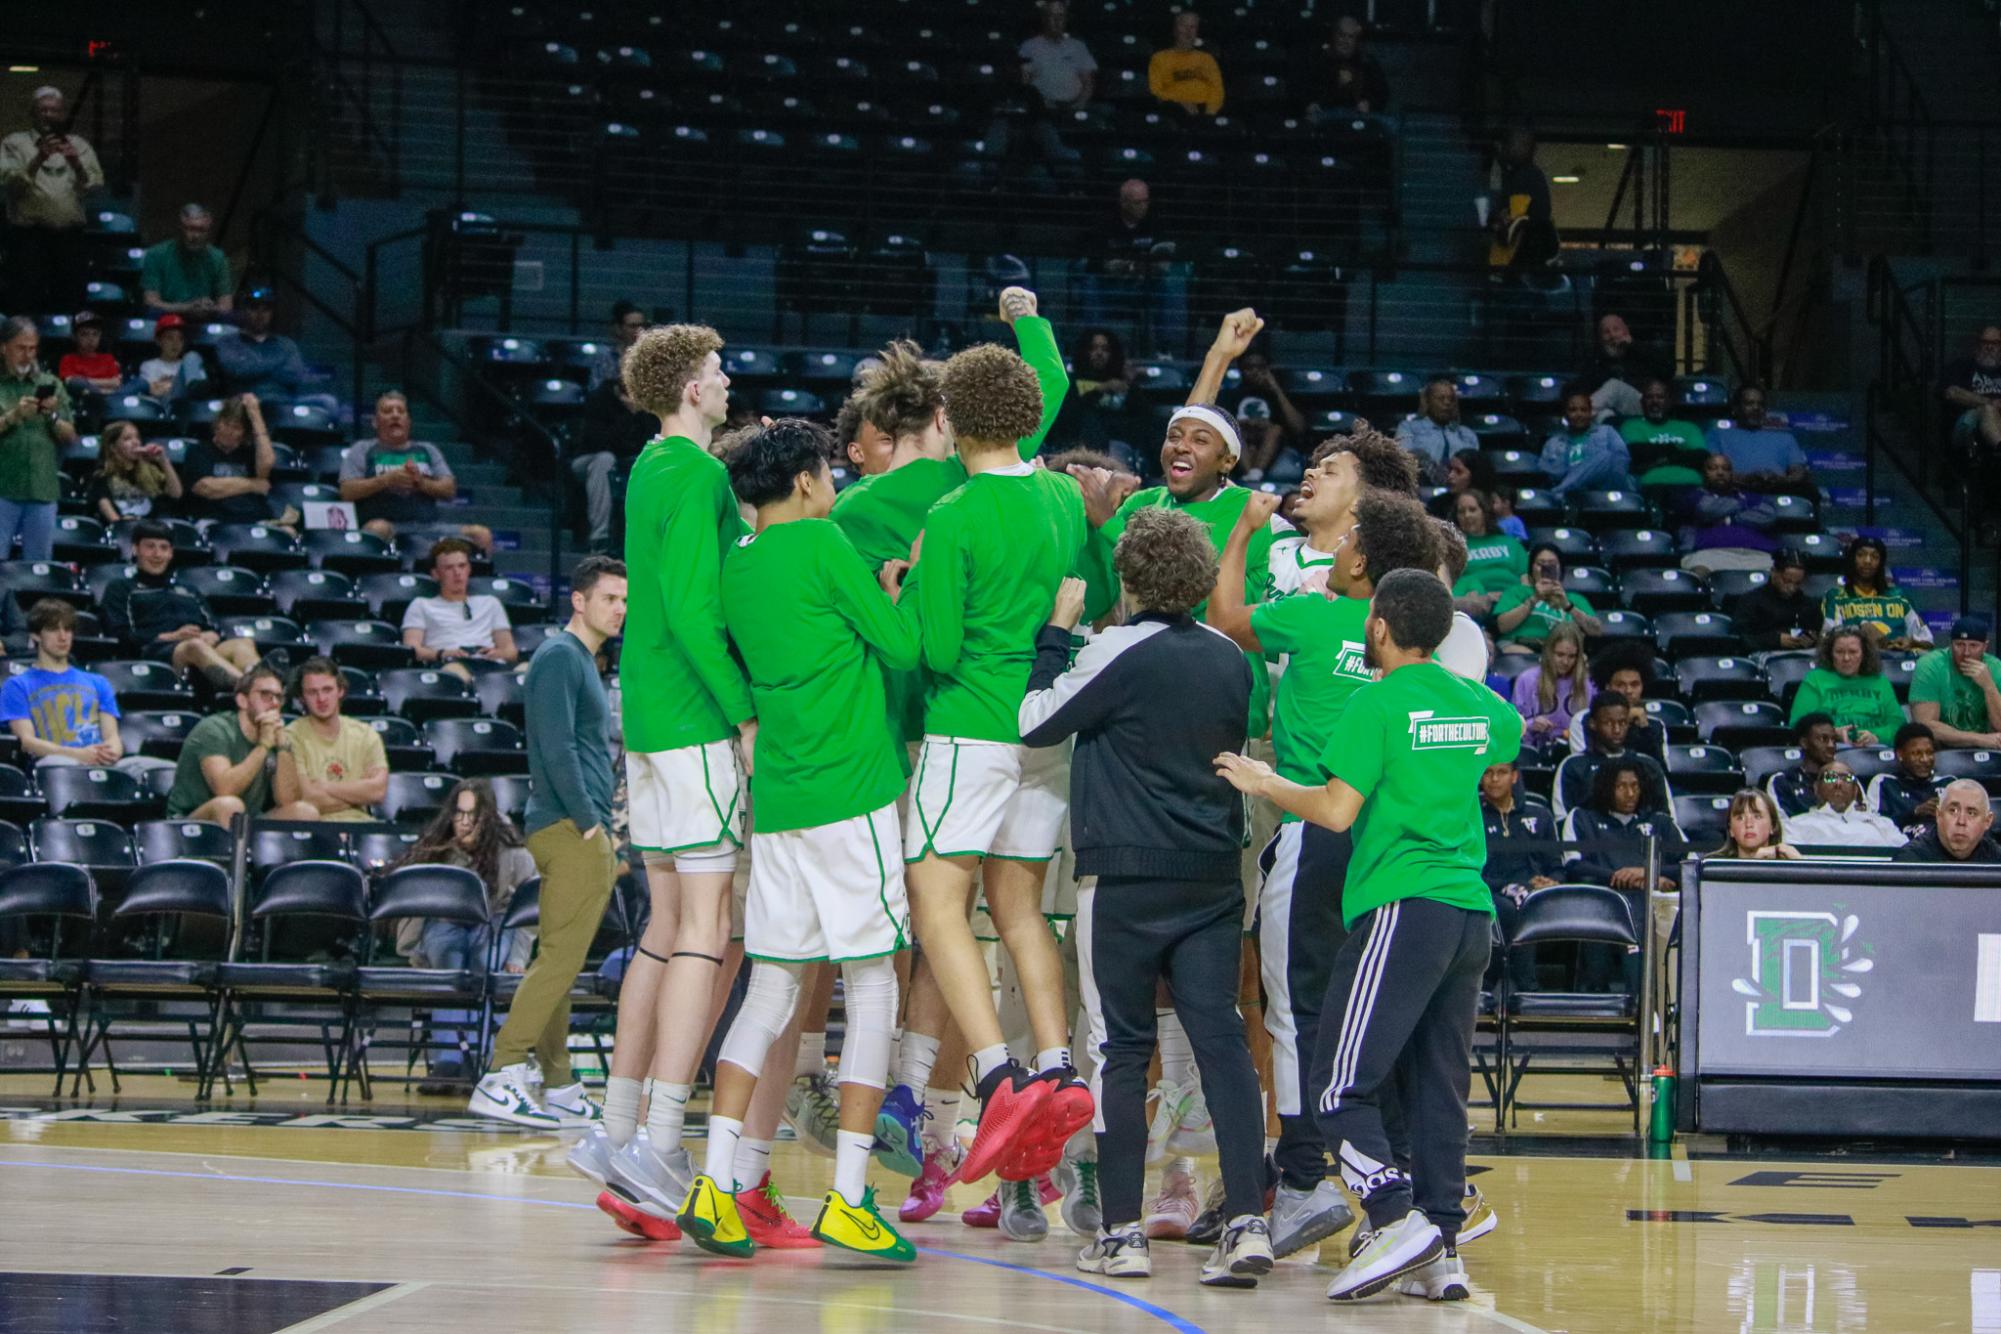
[[1180, 1324]]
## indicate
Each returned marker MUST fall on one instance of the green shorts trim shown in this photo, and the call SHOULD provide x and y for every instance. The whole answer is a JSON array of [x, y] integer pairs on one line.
[[1030, 861], [931, 827], [826, 958]]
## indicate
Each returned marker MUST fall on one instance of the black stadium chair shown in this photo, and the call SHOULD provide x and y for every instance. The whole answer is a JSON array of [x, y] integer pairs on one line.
[[65, 898], [273, 846], [1573, 544], [147, 685], [477, 746], [317, 595], [79, 792], [1981, 765], [1649, 547], [1784, 670], [436, 893], [1702, 678], [268, 633], [372, 645], [1761, 762], [510, 794], [1617, 623], [1674, 716], [256, 546], [20, 801], [500, 695], [1742, 725], [379, 849], [14, 844], [1654, 592], [518, 597], [29, 581], [349, 551], [421, 694], [1726, 586], [402, 741], [172, 840], [97, 845], [1704, 820], [1587, 1024], [413, 798], [1869, 761], [1607, 511], [1682, 634], [1593, 582], [390, 594], [231, 590], [1703, 769]]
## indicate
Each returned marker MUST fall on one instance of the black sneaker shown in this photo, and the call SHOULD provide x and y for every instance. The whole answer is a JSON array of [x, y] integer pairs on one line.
[[1207, 1229]]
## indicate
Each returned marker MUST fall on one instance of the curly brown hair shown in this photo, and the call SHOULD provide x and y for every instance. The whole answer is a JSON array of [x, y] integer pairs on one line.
[[1452, 553], [1394, 532], [1166, 561], [991, 396], [1382, 463], [660, 363], [900, 395], [1872, 655]]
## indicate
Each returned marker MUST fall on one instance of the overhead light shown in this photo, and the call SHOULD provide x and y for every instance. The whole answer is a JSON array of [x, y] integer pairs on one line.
[[1616, 148], [24, 69], [1568, 179]]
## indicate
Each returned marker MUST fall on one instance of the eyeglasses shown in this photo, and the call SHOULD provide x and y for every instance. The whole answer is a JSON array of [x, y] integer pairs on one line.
[[1836, 778], [465, 815]]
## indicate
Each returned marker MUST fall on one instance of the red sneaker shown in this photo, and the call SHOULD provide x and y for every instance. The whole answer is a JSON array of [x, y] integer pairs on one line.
[[1066, 1110], [1010, 1105], [636, 1221], [765, 1218]]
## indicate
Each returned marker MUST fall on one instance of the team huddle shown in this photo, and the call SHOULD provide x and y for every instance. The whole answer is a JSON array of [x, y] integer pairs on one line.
[[982, 695]]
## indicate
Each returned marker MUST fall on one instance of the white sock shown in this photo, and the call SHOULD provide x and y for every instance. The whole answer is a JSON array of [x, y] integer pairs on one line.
[[812, 1056], [941, 1132], [1271, 1145], [720, 1165], [753, 1160], [914, 1062], [1177, 1056], [851, 1154], [1051, 1058], [987, 1060], [621, 1110], [665, 1116]]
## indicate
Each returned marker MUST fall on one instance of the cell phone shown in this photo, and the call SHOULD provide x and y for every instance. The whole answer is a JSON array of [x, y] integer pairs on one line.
[[45, 392]]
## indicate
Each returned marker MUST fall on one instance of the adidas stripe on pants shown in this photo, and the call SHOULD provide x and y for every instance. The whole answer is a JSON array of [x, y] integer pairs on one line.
[[1405, 990]]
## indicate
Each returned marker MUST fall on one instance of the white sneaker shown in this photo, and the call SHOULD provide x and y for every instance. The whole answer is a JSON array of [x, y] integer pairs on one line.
[[574, 1108], [628, 1172], [1302, 1218], [1481, 1218], [1175, 1208], [1169, 1102], [503, 1096], [591, 1155], [1242, 1255], [1194, 1134], [1443, 1280], [1021, 1215], [1119, 1254], [1410, 1243], [1077, 1178]]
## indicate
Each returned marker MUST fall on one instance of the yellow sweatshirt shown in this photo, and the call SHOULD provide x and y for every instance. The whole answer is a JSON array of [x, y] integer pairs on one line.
[[1191, 77]]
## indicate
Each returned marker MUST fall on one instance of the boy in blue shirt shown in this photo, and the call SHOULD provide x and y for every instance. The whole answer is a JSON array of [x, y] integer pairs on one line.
[[59, 713]]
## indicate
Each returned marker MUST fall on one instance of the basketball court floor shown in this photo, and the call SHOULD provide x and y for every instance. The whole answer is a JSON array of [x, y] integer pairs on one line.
[[146, 1213]]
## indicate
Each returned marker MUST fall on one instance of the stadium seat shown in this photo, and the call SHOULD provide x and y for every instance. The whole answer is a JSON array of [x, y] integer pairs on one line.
[[1703, 769], [175, 840], [1508, 666], [268, 633], [1626, 548], [379, 849], [316, 595], [1518, 467], [1616, 623], [256, 546], [89, 792], [99, 845], [510, 794], [1704, 819], [1585, 1025], [435, 893], [413, 798], [476, 746], [1761, 762], [389, 594], [305, 425], [1702, 397], [147, 685], [1592, 582], [190, 546], [1496, 431], [20, 801], [528, 638], [1675, 718], [1536, 507], [231, 590], [82, 541], [1704, 678], [402, 741], [1820, 551], [1784, 671], [500, 696], [1869, 761], [1655, 592], [1607, 511], [421, 694], [349, 551], [13, 844], [372, 645], [1980, 765], [29, 581], [66, 900], [1900, 668], [1685, 633], [1726, 586], [1741, 725], [1796, 515], [273, 846], [518, 597]]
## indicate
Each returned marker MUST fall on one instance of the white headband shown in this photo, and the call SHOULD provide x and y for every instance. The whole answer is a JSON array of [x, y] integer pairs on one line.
[[1214, 418]]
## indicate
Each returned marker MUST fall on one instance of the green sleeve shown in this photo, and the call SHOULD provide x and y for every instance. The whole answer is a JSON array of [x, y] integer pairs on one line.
[[549, 698], [691, 597], [1808, 698], [1354, 752], [940, 602], [152, 273], [1579, 600], [1515, 597], [1037, 342], [1094, 562], [1928, 684], [1830, 607], [1889, 715], [1278, 624], [862, 603], [1257, 563], [1518, 558]]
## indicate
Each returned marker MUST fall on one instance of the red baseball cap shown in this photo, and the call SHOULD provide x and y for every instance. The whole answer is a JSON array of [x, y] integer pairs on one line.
[[168, 321]]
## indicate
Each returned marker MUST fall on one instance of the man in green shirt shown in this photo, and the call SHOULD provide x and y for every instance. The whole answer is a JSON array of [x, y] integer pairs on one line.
[[814, 630], [224, 768], [1667, 451], [1957, 693], [1405, 761], [187, 275], [35, 422]]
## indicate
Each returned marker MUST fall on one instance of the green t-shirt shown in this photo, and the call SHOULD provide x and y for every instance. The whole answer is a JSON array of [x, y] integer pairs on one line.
[[178, 276], [218, 734], [1542, 618], [1414, 744], [1322, 641], [994, 551], [1494, 564], [814, 630], [1866, 702], [28, 450], [1668, 453], [679, 686], [1889, 613], [1961, 703]]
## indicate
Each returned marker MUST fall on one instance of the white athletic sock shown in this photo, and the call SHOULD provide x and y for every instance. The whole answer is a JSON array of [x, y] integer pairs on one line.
[[1051, 1058], [1271, 1145], [987, 1060], [1177, 1056], [753, 1160], [942, 1130], [621, 1110], [720, 1166], [851, 1153], [812, 1058], [665, 1116], [913, 1064]]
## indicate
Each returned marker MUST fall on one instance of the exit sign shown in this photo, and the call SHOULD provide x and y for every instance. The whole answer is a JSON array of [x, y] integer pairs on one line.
[[1671, 120]]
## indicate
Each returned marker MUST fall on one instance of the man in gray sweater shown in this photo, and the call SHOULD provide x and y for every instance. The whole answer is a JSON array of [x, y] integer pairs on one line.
[[569, 835]]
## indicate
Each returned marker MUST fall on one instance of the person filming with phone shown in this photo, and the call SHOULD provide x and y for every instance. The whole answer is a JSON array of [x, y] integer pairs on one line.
[[35, 422]]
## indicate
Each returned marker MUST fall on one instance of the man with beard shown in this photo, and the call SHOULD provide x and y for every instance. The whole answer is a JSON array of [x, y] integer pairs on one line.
[[1667, 451], [1972, 389]]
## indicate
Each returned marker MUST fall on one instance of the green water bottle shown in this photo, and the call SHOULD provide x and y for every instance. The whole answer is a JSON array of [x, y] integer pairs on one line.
[[1660, 1126]]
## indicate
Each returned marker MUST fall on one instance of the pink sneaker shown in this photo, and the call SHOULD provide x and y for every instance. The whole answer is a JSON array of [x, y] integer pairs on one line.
[[988, 1212], [927, 1193]]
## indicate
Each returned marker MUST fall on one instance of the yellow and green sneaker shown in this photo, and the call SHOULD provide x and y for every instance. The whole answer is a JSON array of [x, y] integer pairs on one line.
[[860, 1228], [711, 1221]]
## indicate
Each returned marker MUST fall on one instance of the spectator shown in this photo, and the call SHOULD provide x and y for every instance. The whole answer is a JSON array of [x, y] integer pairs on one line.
[[227, 483], [1908, 795], [1436, 434], [1605, 728], [1350, 80], [187, 275], [1616, 377], [1060, 76], [153, 616], [134, 480], [1754, 830], [1767, 458], [1616, 823], [1626, 670], [1550, 693], [1794, 788], [1518, 213], [46, 171], [1184, 77], [396, 483], [1273, 429], [470, 831], [627, 323], [1104, 405], [613, 433], [225, 764], [1472, 470], [1847, 684], [1666, 450], [1779, 614], [1957, 693], [1129, 272], [1585, 455], [1495, 561], [35, 421], [89, 367], [267, 364], [1528, 611], [1522, 857], [334, 764], [1964, 816], [1868, 596], [177, 372], [1972, 388], [1725, 527], [1839, 818], [458, 630], [58, 712]]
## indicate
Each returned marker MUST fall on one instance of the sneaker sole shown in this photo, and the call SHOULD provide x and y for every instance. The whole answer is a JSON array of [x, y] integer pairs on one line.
[[776, 1240], [1168, 1229], [1116, 1273], [894, 1148], [1320, 1229], [1016, 1236], [1227, 1280], [989, 1151], [636, 1221], [584, 1168], [517, 1119], [1453, 1291], [1377, 1284], [1485, 1227], [1064, 1113]]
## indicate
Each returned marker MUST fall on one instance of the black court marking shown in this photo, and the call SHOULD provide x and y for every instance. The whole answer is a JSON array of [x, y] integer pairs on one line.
[[238, 1269], [36, 1303]]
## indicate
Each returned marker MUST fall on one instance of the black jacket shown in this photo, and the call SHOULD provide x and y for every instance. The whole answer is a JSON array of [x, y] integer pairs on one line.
[[1894, 796], [1572, 786], [1151, 703], [140, 609], [1927, 848], [1613, 843], [1520, 845], [1763, 614]]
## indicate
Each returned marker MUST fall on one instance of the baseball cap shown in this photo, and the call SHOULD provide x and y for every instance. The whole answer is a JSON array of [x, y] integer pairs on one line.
[[168, 321], [83, 317], [258, 296], [1972, 627]]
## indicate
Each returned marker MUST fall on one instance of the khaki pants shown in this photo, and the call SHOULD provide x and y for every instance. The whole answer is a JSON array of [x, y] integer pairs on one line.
[[577, 878]]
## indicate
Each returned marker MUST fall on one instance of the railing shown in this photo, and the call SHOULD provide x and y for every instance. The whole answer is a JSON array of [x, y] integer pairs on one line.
[[1901, 118], [354, 63], [272, 231]]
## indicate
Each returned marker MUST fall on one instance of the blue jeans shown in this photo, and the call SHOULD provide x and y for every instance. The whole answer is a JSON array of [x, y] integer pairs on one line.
[[456, 945], [34, 522]]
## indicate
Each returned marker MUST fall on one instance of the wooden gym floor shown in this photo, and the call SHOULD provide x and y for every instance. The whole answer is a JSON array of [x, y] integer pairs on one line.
[[145, 1213]]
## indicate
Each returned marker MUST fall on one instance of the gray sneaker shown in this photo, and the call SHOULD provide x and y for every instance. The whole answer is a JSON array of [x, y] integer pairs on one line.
[[638, 1175], [1077, 1178], [1301, 1218], [1409, 1244], [1021, 1216], [1242, 1256], [1119, 1254], [591, 1155], [1443, 1280]]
